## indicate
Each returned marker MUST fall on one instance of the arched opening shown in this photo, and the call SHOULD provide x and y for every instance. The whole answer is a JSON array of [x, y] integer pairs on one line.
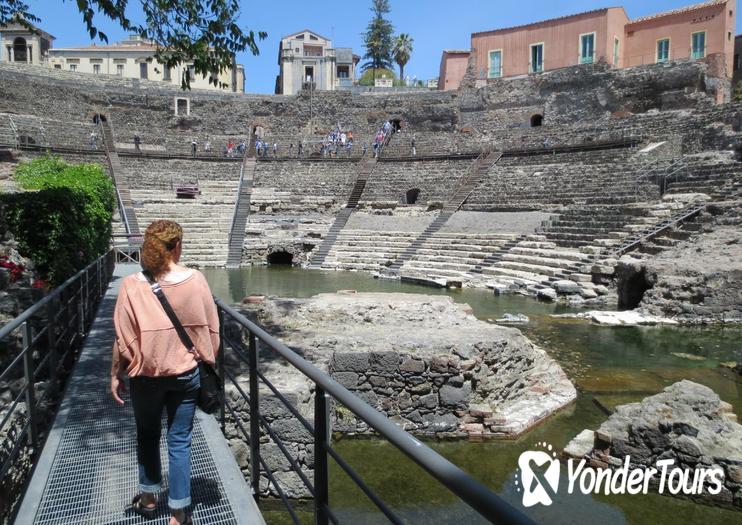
[[412, 195], [98, 118], [396, 125], [280, 257], [20, 50], [537, 120]]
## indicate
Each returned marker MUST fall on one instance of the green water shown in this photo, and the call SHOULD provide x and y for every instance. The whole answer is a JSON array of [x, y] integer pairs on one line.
[[611, 365]]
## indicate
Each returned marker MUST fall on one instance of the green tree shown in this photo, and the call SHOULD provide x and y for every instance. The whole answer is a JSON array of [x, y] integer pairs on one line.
[[205, 33], [378, 38], [402, 52]]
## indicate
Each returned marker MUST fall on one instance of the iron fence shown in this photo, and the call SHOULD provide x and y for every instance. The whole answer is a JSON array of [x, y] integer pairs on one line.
[[40, 344], [239, 329]]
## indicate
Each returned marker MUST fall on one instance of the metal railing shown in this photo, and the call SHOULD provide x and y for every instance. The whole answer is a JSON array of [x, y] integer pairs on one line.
[[14, 129], [45, 338], [326, 389]]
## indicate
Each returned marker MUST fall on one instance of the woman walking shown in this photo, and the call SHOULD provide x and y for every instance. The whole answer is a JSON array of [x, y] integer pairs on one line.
[[163, 372]]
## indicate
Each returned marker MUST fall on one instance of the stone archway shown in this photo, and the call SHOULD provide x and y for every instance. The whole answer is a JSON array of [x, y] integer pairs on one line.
[[20, 50], [537, 120], [412, 195], [280, 256], [99, 117]]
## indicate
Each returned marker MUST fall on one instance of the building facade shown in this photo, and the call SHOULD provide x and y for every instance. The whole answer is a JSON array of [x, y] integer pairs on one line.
[[307, 57], [20, 44], [453, 67], [131, 58], [606, 35]]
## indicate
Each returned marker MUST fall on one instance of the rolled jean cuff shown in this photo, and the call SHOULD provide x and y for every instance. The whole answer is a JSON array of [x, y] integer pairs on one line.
[[177, 504], [150, 489]]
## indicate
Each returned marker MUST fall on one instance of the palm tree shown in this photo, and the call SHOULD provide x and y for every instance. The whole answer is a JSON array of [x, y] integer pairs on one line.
[[402, 51]]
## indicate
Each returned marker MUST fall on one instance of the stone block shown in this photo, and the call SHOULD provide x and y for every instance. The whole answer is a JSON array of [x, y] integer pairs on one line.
[[347, 379], [483, 411], [386, 362], [453, 396], [350, 362], [440, 423], [439, 363], [429, 401], [412, 365]]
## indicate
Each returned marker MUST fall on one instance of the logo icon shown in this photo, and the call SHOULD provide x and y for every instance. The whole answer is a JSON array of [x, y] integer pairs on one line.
[[539, 475]]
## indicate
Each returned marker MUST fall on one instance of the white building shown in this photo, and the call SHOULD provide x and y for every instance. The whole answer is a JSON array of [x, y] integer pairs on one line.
[[309, 57], [131, 58]]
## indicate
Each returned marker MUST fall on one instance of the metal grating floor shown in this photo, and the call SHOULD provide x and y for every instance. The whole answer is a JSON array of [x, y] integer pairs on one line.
[[88, 473]]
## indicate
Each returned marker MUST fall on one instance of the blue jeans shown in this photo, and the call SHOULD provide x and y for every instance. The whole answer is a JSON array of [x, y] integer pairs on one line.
[[177, 394]]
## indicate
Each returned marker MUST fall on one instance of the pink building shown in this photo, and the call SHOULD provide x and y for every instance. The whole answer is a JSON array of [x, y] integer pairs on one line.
[[453, 68], [607, 34]]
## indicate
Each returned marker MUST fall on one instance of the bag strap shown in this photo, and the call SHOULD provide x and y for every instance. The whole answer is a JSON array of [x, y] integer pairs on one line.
[[157, 290]]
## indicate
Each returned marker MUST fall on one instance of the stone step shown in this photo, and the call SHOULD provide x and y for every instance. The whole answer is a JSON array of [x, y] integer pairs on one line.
[[539, 261], [554, 254], [531, 268]]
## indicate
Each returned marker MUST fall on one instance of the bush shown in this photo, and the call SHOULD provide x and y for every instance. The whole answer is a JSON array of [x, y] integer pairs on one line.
[[66, 223]]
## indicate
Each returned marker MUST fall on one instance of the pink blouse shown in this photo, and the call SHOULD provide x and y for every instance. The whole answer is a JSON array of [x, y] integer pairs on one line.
[[146, 341]]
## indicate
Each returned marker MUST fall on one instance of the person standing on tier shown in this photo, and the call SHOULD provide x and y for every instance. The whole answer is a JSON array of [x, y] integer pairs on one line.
[[163, 374], [207, 146], [301, 150], [93, 140], [137, 144], [275, 149], [194, 146], [412, 146]]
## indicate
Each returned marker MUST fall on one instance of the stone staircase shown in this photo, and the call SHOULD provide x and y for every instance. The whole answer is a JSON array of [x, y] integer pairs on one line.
[[366, 250], [469, 181], [318, 258], [445, 257], [126, 205], [242, 210], [541, 268]]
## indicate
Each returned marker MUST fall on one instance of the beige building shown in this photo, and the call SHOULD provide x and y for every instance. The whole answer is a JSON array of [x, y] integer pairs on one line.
[[20, 44], [132, 59], [307, 57]]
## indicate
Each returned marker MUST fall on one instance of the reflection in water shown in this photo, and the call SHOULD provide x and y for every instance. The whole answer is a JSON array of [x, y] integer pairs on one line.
[[611, 365]]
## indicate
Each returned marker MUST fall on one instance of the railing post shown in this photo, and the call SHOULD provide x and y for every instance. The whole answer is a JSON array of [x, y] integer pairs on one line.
[[321, 475], [220, 367], [252, 358], [51, 331], [28, 373]]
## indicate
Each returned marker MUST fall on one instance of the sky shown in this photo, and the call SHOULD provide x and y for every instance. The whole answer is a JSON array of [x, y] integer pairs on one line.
[[433, 24]]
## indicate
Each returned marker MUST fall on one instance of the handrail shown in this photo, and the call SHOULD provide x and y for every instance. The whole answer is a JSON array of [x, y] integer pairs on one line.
[[471, 491], [14, 129], [50, 332], [122, 212], [31, 310], [239, 193]]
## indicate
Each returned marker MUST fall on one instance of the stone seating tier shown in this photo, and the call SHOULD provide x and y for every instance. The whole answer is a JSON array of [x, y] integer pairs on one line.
[[165, 174], [44, 131], [307, 178]]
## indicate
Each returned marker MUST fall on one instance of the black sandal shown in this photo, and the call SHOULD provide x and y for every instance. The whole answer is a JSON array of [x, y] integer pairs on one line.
[[146, 512]]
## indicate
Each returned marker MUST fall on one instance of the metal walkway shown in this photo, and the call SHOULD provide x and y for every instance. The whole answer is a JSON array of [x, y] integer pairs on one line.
[[87, 472]]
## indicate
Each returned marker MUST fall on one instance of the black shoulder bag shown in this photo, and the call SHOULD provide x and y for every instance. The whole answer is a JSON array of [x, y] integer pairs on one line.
[[210, 395]]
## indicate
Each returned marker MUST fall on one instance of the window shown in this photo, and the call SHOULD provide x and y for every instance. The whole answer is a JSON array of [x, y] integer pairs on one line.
[[120, 70], [166, 74], [73, 67], [663, 50], [143, 70], [495, 64], [616, 49], [96, 69], [57, 66], [343, 71], [309, 73], [587, 48], [698, 45], [537, 58]]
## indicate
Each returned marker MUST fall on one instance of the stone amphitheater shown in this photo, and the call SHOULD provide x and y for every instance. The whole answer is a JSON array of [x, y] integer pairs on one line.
[[627, 166]]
